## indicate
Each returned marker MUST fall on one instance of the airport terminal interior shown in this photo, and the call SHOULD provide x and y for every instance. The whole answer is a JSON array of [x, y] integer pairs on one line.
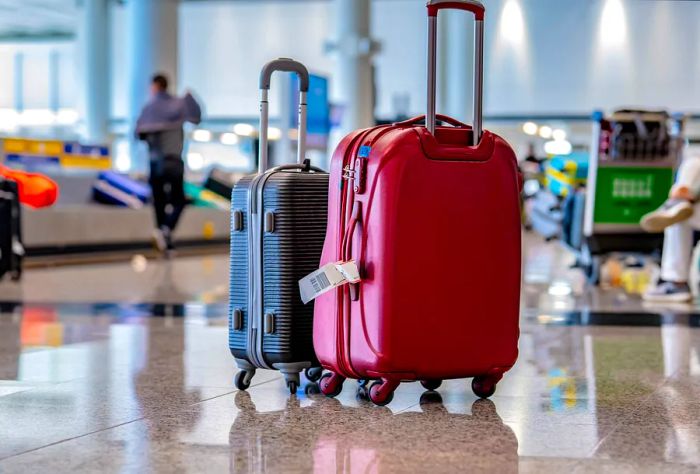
[[524, 295]]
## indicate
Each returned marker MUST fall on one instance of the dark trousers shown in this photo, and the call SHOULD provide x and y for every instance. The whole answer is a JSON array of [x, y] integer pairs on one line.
[[167, 182]]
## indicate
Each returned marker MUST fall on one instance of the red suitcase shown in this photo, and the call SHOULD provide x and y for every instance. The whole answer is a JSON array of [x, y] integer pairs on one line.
[[433, 223]]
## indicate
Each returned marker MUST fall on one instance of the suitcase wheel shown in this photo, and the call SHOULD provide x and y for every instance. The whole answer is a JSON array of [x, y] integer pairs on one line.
[[313, 374], [431, 384], [242, 379], [362, 391], [381, 392], [292, 385], [483, 387], [16, 275], [331, 384]]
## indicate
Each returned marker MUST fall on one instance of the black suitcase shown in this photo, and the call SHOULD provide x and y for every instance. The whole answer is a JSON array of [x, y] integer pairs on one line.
[[221, 182], [11, 249], [278, 224]]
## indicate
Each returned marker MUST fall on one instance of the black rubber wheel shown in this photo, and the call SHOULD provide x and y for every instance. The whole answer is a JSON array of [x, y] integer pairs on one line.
[[16, 275], [312, 389], [313, 374], [379, 399], [430, 397], [240, 380], [362, 393], [330, 388], [292, 385], [431, 384], [483, 387]]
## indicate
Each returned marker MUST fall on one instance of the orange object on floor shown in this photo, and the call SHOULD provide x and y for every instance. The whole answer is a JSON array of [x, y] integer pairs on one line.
[[35, 190]]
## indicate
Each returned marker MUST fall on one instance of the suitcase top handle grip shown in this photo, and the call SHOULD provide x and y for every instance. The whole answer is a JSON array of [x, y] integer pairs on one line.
[[434, 6], [285, 65], [467, 5], [288, 65]]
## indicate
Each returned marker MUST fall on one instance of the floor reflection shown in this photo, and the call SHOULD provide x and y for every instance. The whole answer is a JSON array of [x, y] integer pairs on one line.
[[327, 436]]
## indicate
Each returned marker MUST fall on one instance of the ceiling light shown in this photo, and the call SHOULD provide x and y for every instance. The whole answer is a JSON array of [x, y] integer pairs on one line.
[[558, 147], [530, 128], [229, 138], [201, 135], [559, 134], [274, 133], [546, 132], [243, 129]]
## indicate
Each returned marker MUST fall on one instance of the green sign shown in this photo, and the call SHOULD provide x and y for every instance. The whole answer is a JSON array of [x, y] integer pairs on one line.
[[623, 195]]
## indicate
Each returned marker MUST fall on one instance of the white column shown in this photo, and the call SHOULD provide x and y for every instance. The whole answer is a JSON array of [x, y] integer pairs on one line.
[[94, 50], [352, 81], [152, 43], [456, 65]]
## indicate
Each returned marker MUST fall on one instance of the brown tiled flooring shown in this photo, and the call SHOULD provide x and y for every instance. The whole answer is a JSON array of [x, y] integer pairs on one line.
[[109, 389]]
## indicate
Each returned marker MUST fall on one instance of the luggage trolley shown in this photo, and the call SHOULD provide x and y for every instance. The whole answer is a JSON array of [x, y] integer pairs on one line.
[[634, 155]]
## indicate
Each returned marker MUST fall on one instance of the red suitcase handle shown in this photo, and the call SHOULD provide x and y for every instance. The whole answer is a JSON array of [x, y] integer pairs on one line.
[[439, 117], [467, 5], [434, 6]]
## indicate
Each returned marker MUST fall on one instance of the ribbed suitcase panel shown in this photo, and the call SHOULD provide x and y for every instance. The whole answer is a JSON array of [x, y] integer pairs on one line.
[[300, 203], [239, 268]]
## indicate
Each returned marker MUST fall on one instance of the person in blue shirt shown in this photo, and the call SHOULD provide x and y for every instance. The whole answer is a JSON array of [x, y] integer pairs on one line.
[[160, 126]]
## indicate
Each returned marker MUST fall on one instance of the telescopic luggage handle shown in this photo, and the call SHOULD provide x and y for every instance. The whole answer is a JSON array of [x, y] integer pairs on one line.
[[288, 65], [434, 6]]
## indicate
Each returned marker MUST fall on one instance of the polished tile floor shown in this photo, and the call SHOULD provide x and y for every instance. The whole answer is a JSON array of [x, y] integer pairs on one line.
[[124, 368]]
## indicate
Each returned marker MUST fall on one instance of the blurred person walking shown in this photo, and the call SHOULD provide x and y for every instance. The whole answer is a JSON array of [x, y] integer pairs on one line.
[[160, 126], [678, 218]]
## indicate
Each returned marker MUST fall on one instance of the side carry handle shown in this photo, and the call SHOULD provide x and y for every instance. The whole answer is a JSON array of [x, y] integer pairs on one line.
[[288, 65], [434, 6]]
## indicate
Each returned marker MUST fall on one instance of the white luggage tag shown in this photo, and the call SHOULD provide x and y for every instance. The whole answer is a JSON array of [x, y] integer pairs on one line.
[[329, 276]]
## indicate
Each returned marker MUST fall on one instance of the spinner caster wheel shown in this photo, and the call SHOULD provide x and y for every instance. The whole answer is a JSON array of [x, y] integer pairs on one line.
[[483, 387], [381, 392], [431, 384], [313, 374], [331, 384], [362, 391], [292, 385], [242, 379]]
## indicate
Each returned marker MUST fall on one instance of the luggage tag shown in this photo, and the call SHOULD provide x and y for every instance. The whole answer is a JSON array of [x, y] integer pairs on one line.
[[326, 278]]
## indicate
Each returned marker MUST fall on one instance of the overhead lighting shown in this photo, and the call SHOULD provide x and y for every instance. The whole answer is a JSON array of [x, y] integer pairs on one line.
[[559, 134], [201, 135], [546, 132], [613, 25], [512, 23], [558, 147], [244, 129], [229, 138], [530, 128], [195, 161], [274, 133]]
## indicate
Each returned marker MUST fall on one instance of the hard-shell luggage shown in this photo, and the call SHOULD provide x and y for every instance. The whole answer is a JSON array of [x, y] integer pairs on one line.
[[126, 184], [278, 221], [221, 182], [120, 190], [431, 216], [11, 249], [35, 189]]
